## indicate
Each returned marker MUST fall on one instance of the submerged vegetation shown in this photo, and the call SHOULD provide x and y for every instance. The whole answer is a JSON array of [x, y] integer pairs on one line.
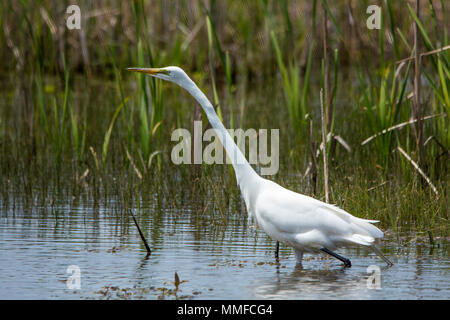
[[75, 125]]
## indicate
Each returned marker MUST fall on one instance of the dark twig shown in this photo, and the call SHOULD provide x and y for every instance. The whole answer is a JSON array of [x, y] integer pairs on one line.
[[149, 252]]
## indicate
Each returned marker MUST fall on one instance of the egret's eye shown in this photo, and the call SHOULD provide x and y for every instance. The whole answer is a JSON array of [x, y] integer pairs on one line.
[[166, 72]]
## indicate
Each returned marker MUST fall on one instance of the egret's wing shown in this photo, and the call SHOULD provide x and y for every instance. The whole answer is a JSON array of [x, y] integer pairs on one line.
[[284, 212]]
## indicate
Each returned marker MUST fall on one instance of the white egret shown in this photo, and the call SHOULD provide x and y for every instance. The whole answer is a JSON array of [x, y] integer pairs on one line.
[[299, 221]]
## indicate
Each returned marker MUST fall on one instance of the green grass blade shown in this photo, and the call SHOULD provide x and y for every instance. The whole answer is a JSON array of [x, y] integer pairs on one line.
[[110, 128]]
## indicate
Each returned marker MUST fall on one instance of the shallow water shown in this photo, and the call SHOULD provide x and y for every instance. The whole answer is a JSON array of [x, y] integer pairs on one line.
[[234, 262]]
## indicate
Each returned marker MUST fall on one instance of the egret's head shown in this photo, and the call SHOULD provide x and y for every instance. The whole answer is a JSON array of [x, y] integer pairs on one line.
[[172, 74]]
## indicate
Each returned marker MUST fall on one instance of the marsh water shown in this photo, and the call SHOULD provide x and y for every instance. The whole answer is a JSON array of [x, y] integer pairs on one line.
[[56, 230], [83, 141], [40, 247]]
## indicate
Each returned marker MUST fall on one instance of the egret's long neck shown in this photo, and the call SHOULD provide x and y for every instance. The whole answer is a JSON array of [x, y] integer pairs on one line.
[[245, 175]]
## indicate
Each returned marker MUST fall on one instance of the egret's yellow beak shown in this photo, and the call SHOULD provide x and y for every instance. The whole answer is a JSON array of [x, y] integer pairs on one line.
[[151, 71]]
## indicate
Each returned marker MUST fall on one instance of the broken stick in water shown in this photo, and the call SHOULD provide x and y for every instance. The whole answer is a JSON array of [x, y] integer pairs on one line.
[[149, 252]]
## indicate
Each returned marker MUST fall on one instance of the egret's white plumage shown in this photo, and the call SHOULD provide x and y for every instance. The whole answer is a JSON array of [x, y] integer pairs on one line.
[[308, 224], [299, 221]]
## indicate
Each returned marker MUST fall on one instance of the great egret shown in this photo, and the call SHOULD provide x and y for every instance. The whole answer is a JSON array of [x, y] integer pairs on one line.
[[299, 221]]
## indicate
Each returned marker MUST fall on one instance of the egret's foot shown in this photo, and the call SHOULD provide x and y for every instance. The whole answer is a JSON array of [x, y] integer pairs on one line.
[[347, 262], [277, 250], [298, 266]]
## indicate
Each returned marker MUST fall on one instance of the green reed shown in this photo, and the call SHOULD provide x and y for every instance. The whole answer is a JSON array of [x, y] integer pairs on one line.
[[105, 134]]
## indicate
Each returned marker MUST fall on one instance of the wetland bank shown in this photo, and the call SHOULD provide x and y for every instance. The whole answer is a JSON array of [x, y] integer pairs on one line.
[[82, 142]]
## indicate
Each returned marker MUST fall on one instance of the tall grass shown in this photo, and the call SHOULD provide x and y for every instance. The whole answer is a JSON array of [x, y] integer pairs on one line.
[[383, 103], [294, 87], [259, 62]]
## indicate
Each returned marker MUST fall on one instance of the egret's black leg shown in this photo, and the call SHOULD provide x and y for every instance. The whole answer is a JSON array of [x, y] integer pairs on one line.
[[347, 262], [277, 250]]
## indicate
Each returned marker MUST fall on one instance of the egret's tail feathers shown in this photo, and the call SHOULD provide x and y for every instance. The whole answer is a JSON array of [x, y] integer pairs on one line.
[[361, 223], [371, 221], [360, 239], [365, 227]]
